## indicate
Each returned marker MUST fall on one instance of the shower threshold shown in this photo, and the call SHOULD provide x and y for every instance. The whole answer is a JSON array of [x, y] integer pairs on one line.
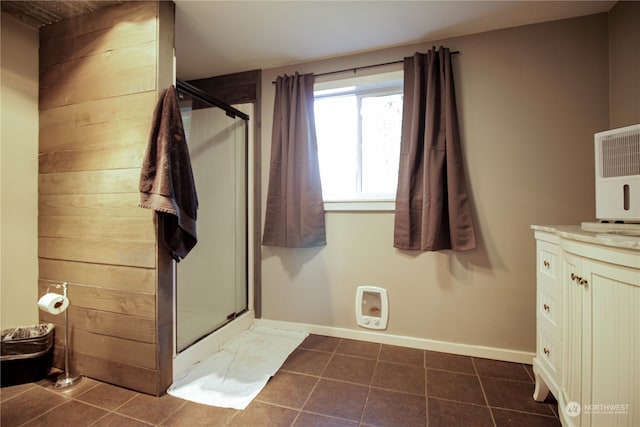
[[184, 361]]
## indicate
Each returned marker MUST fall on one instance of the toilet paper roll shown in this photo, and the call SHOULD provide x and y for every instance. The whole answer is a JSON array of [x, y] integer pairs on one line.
[[53, 303]]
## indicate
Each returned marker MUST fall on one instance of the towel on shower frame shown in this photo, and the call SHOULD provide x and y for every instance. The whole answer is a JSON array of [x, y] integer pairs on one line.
[[166, 179]]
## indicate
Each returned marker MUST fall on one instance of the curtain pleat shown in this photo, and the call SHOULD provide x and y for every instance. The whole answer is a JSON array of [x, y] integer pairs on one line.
[[295, 211], [432, 205]]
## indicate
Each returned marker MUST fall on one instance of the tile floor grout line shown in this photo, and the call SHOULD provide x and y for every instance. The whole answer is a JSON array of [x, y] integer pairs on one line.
[[99, 418], [125, 402], [533, 380], [426, 393], [307, 399], [364, 407], [176, 410], [44, 413], [522, 412], [18, 394], [484, 393]]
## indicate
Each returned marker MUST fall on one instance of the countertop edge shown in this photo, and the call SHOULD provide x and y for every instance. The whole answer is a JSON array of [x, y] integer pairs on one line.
[[575, 232]]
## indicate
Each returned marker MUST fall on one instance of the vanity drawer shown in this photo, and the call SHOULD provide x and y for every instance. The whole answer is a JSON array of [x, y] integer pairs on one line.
[[549, 350], [548, 302], [547, 260]]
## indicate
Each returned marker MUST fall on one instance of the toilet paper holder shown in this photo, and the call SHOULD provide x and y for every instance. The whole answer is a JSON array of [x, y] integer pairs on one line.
[[57, 286], [65, 379]]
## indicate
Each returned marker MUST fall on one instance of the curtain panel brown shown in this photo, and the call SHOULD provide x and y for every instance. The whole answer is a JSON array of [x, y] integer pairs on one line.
[[432, 206], [295, 212]]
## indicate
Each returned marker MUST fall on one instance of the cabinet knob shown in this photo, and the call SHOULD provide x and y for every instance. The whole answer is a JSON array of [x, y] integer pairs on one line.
[[546, 263], [546, 307], [583, 282], [546, 351]]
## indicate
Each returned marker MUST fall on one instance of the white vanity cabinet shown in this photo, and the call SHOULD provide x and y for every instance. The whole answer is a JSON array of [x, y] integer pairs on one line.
[[599, 344], [546, 364]]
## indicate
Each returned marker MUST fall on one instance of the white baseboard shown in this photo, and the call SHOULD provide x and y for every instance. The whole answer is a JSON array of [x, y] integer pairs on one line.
[[503, 354]]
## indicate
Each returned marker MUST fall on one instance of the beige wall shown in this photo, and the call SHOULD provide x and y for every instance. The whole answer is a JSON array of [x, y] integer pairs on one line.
[[529, 100], [18, 174], [624, 62]]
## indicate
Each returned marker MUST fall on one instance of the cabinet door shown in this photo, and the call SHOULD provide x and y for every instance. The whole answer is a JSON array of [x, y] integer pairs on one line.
[[614, 371], [574, 330]]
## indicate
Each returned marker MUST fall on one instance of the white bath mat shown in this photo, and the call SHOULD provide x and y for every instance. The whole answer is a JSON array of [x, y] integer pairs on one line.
[[232, 377]]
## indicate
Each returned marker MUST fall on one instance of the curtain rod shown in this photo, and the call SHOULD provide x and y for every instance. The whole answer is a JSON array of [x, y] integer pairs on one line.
[[364, 67]]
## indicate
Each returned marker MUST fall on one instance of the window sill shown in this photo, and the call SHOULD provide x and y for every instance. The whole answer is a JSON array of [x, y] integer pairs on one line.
[[360, 205]]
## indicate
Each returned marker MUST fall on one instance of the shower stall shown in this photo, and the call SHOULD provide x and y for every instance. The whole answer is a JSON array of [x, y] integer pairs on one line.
[[212, 284]]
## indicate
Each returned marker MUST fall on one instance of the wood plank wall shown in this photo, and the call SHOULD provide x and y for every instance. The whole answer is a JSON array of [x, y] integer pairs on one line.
[[100, 76]]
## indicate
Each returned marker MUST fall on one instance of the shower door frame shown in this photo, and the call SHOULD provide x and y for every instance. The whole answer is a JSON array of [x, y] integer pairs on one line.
[[211, 342]]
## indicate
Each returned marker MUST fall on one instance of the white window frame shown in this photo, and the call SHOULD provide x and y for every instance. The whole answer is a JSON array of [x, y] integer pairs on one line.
[[390, 82]]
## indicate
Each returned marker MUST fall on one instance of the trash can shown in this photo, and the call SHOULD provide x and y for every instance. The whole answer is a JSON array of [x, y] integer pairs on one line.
[[26, 353]]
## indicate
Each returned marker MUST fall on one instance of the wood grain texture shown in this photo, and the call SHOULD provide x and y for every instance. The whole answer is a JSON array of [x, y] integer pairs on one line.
[[51, 36], [103, 159], [96, 42], [134, 254], [105, 323], [114, 277], [100, 228], [98, 90], [100, 68], [90, 182], [137, 80], [128, 376], [100, 136], [137, 304], [103, 346], [93, 205], [134, 106]]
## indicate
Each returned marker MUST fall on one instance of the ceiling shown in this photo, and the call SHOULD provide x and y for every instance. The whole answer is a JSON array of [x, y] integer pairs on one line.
[[223, 37]]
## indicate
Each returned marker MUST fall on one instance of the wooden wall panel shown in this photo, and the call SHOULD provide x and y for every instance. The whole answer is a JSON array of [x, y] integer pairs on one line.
[[117, 277], [90, 182], [82, 227], [52, 36], [107, 158], [121, 374], [108, 111], [137, 304], [94, 205], [138, 80], [119, 350], [105, 323], [88, 70], [98, 89], [134, 254], [97, 42]]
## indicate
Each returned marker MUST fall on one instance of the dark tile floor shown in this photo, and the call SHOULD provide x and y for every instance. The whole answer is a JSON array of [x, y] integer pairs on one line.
[[325, 382]]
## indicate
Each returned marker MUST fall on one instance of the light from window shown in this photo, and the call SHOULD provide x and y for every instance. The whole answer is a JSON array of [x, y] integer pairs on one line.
[[358, 130]]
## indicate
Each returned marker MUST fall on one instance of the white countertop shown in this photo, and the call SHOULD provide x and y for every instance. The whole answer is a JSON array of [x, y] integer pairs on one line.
[[598, 234]]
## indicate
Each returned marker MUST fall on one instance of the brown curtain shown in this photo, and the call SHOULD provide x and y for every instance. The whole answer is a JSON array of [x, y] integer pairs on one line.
[[432, 206], [295, 212]]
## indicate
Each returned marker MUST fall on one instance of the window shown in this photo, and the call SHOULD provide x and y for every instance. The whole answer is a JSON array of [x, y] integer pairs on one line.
[[358, 125]]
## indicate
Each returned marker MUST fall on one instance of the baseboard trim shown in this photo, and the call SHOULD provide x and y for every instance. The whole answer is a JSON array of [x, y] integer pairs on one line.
[[495, 353]]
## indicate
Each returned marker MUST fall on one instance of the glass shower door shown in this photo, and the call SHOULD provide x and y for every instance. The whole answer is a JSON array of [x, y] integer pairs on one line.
[[211, 282]]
